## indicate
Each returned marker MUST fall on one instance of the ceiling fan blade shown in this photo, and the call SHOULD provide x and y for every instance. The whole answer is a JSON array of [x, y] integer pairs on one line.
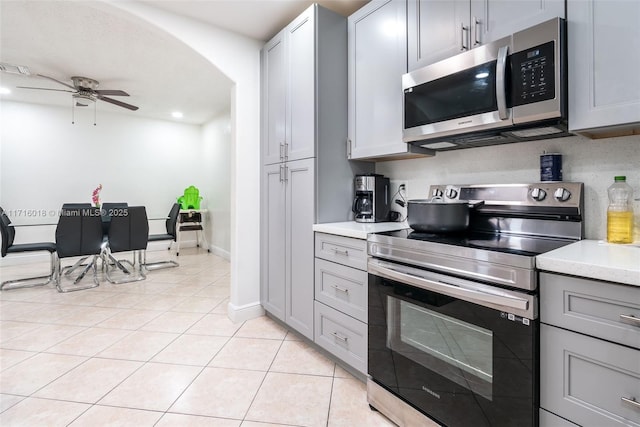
[[45, 88], [118, 103], [57, 81], [111, 92]]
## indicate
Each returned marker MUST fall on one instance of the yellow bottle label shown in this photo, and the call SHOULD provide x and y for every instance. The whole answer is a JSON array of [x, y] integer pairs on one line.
[[620, 226]]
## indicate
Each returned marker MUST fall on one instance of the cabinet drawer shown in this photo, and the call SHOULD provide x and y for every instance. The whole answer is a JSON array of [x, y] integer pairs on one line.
[[601, 309], [341, 335], [584, 379], [343, 250], [343, 288]]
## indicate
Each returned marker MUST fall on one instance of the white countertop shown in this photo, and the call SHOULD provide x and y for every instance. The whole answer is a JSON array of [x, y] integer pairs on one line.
[[596, 260], [358, 230]]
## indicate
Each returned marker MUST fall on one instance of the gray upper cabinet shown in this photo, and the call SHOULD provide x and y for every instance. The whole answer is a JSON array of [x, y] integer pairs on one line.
[[377, 61], [274, 86], [300, 139], [604, 59], [436, 30], [439, 29], [289, 92]]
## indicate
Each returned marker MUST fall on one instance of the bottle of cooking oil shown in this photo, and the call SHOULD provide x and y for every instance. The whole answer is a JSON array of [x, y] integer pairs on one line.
[[620, 212]]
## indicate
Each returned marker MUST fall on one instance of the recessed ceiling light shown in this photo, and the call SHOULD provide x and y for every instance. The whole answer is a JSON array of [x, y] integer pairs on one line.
[[177, 115], [4, 91]]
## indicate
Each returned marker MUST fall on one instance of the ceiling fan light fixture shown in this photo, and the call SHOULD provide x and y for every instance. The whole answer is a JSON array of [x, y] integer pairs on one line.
[[83, 99], [177, 115], [4, 91]]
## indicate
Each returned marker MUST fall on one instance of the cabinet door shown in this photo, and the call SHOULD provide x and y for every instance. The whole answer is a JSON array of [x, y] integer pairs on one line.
[[436, 29], [604, 59], [300, 217], [493, 19], [274, 99], [588, 381], [273, 240], [301, 87], [377, 60]]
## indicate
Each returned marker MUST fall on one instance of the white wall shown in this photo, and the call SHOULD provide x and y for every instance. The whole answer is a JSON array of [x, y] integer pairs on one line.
[[238, 57], [216, 150], [594, 162], [47, 161]]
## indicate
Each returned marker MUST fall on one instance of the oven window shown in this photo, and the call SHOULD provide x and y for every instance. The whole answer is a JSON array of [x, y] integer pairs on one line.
[[460, 351]]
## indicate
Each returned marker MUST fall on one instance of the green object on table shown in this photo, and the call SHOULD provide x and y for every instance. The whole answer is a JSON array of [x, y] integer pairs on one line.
[[191, 198]]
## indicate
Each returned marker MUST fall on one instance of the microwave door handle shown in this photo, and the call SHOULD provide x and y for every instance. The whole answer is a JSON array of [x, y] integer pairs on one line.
[[501, 82]]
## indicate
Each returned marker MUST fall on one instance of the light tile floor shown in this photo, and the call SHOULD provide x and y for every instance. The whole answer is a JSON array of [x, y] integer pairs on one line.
[[162, 352]]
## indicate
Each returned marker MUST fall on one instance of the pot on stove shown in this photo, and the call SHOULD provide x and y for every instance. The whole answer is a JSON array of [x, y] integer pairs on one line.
[[436, 215]]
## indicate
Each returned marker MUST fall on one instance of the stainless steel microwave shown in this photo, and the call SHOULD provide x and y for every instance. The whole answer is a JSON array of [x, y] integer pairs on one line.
[[513, 89]]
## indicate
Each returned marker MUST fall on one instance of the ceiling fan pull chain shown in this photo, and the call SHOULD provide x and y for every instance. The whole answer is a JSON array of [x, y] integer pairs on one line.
[[94, 113], [73, 117]]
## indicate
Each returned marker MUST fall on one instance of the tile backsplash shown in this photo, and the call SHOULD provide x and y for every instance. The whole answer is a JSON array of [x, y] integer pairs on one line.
[[593, 162]]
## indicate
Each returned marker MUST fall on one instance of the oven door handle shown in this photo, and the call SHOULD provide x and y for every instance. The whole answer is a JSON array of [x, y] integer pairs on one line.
[[470, 292]]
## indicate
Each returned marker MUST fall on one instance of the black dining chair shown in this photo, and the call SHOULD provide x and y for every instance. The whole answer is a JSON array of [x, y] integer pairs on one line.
[[128, 232], [78, 234], [170, 235], [109, 209], [8, 247]]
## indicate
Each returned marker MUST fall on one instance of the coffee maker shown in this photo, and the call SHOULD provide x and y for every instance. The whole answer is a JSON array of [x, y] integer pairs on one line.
[[371, 202]]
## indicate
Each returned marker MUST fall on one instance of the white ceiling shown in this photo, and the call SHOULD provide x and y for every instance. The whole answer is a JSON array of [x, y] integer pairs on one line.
[[61, 39]]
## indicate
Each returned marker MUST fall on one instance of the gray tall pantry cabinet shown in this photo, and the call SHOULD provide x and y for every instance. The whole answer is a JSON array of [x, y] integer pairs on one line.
[[306, 177]]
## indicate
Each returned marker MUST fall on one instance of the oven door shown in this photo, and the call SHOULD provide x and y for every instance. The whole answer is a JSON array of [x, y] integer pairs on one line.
[[462, 363], [465, 93]]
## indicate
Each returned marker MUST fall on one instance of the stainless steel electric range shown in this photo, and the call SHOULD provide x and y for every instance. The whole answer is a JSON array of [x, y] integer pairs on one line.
[[453, 318]]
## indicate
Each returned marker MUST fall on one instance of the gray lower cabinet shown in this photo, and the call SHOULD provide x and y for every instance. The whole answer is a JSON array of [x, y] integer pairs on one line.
[[341, 335], [287, 246], [604, 59], [547, 419], [341, 298], [589, 351]]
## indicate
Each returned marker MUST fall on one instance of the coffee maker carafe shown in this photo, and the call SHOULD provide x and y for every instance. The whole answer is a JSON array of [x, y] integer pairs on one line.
[[371, 202]]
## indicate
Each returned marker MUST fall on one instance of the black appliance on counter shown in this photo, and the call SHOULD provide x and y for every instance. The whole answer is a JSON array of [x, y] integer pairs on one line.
[[371, 202], [453, 318]]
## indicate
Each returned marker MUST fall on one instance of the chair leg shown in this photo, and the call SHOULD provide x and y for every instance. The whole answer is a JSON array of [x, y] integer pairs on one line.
[[136, 274], [28, 282], [92, 265], [156, 265]]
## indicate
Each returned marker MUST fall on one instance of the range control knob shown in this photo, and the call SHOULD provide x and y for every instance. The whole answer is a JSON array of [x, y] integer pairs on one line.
[[562, 194], [436, 192], [538, 194], [452, 193]]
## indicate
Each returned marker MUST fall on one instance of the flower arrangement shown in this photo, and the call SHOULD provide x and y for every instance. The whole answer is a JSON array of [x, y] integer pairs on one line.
[[95, 196]]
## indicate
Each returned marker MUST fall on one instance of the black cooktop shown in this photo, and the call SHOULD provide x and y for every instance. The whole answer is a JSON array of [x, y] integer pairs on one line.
[[499, 242]]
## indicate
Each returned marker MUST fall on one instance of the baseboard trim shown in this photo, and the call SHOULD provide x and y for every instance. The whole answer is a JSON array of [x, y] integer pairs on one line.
[[244, 312]]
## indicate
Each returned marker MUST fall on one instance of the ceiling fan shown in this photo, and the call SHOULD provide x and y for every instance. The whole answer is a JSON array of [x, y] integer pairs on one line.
[[85, 92]]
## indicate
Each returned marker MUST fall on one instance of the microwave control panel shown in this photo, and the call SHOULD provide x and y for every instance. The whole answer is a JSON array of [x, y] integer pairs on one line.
[[533, 74]]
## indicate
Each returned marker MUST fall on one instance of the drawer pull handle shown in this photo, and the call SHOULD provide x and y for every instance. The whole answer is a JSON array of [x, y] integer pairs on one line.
[[338, 288], [341, 252], [341, 338], [630, 319], [631, 401]]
